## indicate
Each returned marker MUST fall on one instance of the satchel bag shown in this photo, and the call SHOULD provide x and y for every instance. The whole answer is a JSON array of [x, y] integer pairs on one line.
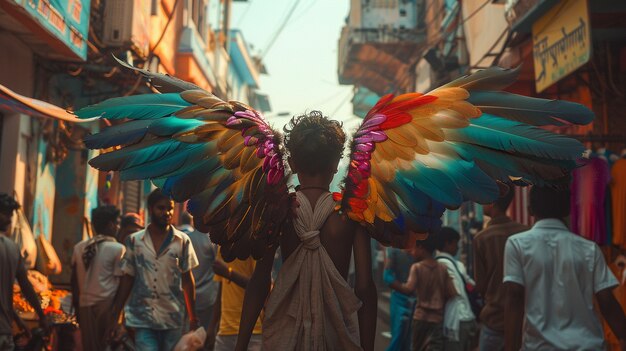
[[477, 302]]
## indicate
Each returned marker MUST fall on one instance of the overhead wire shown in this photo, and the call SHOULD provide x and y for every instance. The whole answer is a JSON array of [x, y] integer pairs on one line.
[[280, 29]]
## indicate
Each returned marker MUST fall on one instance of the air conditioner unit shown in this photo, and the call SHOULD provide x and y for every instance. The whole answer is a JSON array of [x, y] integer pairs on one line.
[[127, 23]]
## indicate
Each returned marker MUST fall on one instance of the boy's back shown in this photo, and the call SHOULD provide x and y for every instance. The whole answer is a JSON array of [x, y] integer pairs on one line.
[[434, 288], [561, 272]]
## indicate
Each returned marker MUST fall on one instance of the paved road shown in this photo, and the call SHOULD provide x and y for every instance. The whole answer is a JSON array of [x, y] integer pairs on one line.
[[382, 336], [382, 325]]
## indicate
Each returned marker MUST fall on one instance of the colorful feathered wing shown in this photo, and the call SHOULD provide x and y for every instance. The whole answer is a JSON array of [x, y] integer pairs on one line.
[[221, 156], [415, 155]]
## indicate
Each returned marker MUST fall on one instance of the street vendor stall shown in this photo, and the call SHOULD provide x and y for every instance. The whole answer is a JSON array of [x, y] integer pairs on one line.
[[56, 304]]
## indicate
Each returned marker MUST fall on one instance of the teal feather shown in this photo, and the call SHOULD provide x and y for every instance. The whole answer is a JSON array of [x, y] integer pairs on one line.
[[123, 134], [172, 125], [185, 185], [501, 165], [137, 154], [515, 137], [534, 111], [171, 164], [433, 182], [147, 106]]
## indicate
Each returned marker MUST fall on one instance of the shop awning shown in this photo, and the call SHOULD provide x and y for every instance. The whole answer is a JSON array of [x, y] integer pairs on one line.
[[13, 102]]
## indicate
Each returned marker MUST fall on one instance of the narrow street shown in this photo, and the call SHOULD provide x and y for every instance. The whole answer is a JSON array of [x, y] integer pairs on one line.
[[382, 324]]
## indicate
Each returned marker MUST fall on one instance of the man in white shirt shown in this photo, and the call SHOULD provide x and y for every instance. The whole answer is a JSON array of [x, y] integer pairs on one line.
[[96, 275], [551, 276], [158, 281], [459, 322]]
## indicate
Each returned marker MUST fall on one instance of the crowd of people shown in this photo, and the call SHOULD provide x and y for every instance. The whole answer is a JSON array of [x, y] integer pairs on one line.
[[155, 282], [533, 288]]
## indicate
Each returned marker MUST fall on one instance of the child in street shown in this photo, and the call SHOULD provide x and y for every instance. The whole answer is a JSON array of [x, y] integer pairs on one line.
[[431, 283]]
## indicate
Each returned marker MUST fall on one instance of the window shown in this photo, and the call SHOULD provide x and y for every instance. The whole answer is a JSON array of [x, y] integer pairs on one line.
[[385, 4], [76, 10], [199, 18]]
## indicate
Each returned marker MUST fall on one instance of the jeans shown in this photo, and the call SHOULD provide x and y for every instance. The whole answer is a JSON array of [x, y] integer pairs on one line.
[[401, 307], [490, 340], [156, 340]]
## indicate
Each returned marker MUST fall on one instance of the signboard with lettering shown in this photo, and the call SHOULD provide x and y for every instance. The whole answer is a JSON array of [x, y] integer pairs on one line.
[[67, 20], [561, 42]]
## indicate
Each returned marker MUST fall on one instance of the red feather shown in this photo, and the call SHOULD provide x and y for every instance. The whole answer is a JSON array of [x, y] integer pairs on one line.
[[396, 120]]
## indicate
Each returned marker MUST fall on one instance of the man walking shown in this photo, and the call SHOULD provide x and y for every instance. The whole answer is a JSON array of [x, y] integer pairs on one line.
[[130, 223], [551, 277], [206, 285], [488, 262], [96, 275], [12, 268], [157, 277]]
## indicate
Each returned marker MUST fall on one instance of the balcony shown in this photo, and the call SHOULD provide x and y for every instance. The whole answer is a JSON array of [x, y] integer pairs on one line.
[[53, 29], [377, 58], [521, 14]]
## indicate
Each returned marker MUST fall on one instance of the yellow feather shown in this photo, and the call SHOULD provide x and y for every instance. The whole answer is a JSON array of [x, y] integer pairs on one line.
[[402, 136], [189, 112], [429, 130], [382, 169], [232, 157], [466, 109], [249, 160], [450, 119], [405, 97], [451, 93], [228, 140]]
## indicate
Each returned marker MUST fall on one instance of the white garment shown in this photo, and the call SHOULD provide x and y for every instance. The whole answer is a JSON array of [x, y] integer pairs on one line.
[[561, 272], [100, 282], [458, 309]]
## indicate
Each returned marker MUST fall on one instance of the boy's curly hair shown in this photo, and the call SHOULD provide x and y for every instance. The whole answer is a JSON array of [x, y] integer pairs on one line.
[[314, 142]]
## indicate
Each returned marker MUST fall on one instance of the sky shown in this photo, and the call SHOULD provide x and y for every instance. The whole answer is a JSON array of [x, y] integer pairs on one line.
[[302, 62]]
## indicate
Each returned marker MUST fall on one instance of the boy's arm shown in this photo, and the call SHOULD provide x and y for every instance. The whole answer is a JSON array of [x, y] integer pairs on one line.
[[223, 270], [613, 313], [365, 289], [409, 287], [257, 289]]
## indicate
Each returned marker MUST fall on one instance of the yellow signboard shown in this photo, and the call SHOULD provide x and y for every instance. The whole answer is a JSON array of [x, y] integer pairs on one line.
[[561, 42]]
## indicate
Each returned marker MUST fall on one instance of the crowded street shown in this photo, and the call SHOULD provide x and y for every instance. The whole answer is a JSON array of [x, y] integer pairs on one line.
[[312, 175]]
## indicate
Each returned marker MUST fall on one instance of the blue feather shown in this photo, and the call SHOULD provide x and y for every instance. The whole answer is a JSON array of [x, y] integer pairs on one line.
[[194, 180], [534, 111], [171, 164], [433, 182], [147, 106], [123, 134], [515, 137]]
